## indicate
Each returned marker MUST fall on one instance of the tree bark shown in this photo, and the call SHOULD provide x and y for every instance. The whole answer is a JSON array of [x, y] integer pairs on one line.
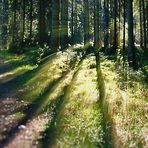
[[96, 25], [64, 24], [131, 48], [86, 23], [144, 24], [55, 33], [31, 21], [42, 34]]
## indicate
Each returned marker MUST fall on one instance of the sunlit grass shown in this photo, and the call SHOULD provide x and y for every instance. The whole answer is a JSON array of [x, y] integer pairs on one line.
[[17, 71], [47, 73], [79, 123], [9, 57], [126, 105]]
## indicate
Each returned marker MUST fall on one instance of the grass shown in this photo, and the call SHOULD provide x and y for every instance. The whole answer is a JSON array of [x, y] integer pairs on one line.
[[79, 123], [40, 86], [66, 87], [126, 104]]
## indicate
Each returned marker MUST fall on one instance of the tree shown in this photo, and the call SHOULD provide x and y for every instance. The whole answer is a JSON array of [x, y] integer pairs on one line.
[[106, 19], [64, 24], [141, 27], [22, 24], [115, 43], [72, 22], [3, 23], [124, 28], [144, 24], [42, 34], [55, 33], [86, 23], [131, 48], [75, 24], [147, 20], [96, 25], [31, 21]]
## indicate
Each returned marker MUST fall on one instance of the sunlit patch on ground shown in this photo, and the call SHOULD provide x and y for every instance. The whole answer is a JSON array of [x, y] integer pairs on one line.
[[126, 101], [79, 121], [56, 103], [47, 73], [58, 70]]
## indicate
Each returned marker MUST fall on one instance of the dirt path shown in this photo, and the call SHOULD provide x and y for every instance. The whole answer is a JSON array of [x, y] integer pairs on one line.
[[54, 105], [34, 110]]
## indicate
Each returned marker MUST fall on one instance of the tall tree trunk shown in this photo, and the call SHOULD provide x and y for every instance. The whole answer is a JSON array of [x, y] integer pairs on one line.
[[72, 22], [119, 24], [49, 18], [144, 24], [131, 48], [31, 21], [124, 27], [64, 24], [55, 33], [96, 25], [106, 13], [3, 23], [14, 25], [141, 27], [22, 24], [147, 21], [42, 34], [115, 43], [75, 23], [86, 23]]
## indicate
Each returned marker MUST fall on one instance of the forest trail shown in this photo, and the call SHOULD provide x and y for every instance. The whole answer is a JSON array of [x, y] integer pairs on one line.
[[79, 121], [39, 102], [57, 104]]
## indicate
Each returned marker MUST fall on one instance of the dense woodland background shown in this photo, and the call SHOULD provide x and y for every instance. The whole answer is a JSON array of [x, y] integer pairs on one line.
[[77, 69], [59, 24]]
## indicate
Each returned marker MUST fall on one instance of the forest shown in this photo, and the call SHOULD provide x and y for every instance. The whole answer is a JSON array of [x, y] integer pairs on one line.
[[73, 73]]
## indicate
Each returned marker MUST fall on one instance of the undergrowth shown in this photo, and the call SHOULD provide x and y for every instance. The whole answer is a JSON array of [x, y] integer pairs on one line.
[[126, 101]]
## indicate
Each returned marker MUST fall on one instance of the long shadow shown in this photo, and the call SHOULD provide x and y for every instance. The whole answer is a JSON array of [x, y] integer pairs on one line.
[[32, 109], [8, 86], [49, 134], [11, 65], [106, 123], [15, 82]]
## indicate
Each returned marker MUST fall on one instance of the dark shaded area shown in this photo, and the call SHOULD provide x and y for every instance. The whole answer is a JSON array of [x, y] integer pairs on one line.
[[14, 83], [106, 123]]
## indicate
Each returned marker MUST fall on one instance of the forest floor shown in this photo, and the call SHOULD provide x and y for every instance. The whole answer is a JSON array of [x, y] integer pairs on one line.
[[57, 103]]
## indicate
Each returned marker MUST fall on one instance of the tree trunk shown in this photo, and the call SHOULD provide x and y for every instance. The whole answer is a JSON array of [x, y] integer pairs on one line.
[[115, 43], [106, 13], [31, 21], [96, 25], [144, 24], [86, 23], [22, 24], [42, 34], [75, 23], [3, 23], [72, 23], [64, 24], [147, 21], [124, 29], [55, 33], [131, 48], [141, 27]]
